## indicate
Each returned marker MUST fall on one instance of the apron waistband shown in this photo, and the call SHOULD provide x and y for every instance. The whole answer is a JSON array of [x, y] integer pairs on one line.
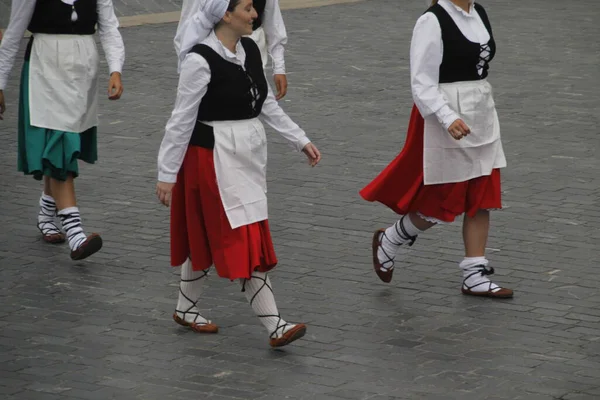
[[465, 84], [204, 132], [203, 136]]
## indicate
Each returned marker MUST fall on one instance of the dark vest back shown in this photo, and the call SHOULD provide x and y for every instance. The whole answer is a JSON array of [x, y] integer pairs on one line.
[[259, 6], [233, 93], [54, 17], [462, 58]]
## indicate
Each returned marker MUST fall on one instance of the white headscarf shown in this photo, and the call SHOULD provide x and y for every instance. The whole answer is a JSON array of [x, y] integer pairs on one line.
[[198, 18]]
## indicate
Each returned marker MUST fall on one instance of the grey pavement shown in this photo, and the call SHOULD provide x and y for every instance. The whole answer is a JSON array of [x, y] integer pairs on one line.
[[102, 328]]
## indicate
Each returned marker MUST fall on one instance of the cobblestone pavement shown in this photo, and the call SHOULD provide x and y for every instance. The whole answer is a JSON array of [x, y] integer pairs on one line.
[[102, 329]]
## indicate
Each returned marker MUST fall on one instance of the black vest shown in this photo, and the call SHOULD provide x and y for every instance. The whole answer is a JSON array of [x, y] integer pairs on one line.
[[259, 6], [54, 17], [461, 60], [233, 93]]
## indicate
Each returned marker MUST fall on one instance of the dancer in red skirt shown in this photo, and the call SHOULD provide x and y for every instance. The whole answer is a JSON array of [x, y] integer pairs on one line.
[[212, 164], [450, 163]]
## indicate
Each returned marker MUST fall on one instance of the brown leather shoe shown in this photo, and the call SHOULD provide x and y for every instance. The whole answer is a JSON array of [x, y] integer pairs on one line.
[[293, 334], [47, 235], [503, 293], [92, 244], [56, 238], [200, 328], [384, 275]]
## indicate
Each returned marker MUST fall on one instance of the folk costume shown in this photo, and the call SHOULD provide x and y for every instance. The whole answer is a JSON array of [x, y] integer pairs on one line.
[[215, 149], [58, 107], [435, 175]]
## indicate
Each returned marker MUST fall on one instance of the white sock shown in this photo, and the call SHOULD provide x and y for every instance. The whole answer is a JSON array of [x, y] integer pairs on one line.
[[71, 222], [259, 292], [47, 216], [396, 235], [190, 290], [475, 273]]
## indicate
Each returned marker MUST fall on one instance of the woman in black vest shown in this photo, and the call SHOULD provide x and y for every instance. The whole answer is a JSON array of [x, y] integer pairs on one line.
[[451, 161], [212, 164], [271, 37], [58, 114]]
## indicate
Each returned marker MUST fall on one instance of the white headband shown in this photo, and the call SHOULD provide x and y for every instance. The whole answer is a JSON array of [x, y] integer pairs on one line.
[[198, 18]]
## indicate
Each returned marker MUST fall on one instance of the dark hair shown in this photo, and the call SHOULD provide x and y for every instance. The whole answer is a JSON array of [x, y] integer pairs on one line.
[[232, 5]]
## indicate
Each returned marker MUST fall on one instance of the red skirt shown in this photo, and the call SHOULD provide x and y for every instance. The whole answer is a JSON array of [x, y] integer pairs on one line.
[[201, 231], [400, 185]]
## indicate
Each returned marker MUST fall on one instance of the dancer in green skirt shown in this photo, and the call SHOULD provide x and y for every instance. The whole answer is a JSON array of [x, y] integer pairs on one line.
[[58, 107]]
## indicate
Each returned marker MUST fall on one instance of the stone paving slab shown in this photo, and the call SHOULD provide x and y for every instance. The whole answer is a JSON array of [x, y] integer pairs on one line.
[[101, 329]]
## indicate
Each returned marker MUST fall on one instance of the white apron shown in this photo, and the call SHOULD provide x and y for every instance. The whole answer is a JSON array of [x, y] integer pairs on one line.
[[261, 40], [447, 160], [63, 82], [240, 156]]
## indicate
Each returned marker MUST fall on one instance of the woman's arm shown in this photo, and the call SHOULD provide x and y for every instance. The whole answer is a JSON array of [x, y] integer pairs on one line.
[[426, 53], [193, 84], [276, 35], [110, 37], [20, 15]]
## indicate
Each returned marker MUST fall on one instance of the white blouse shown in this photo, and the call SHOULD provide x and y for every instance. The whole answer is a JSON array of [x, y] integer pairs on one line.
[[426, 53], [20, 16], [193, 84]]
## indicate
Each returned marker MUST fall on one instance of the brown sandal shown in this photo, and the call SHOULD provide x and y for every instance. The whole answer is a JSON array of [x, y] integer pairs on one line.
[[498, 293], [385, 274], [293, 334], [92, 245], [207, 327], [51, 233]]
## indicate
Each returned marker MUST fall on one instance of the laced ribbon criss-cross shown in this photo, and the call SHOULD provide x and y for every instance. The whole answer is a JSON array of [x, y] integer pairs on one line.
[[278, 316], [405, 237], [194, 303]]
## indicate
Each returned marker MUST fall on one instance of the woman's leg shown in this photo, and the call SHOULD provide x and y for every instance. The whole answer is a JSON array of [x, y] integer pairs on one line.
[[386, 242], [190, 290], [475, 265], [82, 246], [47, 223], [259, 292], [475, 233]]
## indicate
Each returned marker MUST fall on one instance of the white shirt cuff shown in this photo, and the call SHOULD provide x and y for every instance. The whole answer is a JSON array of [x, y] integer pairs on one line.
[[115, 68], [278, 60], [167, 177], [446, 116], [302, 143]]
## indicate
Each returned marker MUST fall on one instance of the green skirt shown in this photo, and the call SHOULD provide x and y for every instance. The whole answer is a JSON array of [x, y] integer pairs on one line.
[[48, 152]]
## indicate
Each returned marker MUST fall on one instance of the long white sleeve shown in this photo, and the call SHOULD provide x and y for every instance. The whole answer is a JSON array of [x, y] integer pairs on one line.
[[426, 53], [186, 11], [193, 84], [274, 116], [276, 35], [21, 12], [110, 37]]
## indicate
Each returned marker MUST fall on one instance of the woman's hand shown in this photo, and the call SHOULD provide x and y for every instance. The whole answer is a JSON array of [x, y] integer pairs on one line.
[[281, 86], [115, 86], [459, 129], [163, 192], [312, 153], [2, 105]]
